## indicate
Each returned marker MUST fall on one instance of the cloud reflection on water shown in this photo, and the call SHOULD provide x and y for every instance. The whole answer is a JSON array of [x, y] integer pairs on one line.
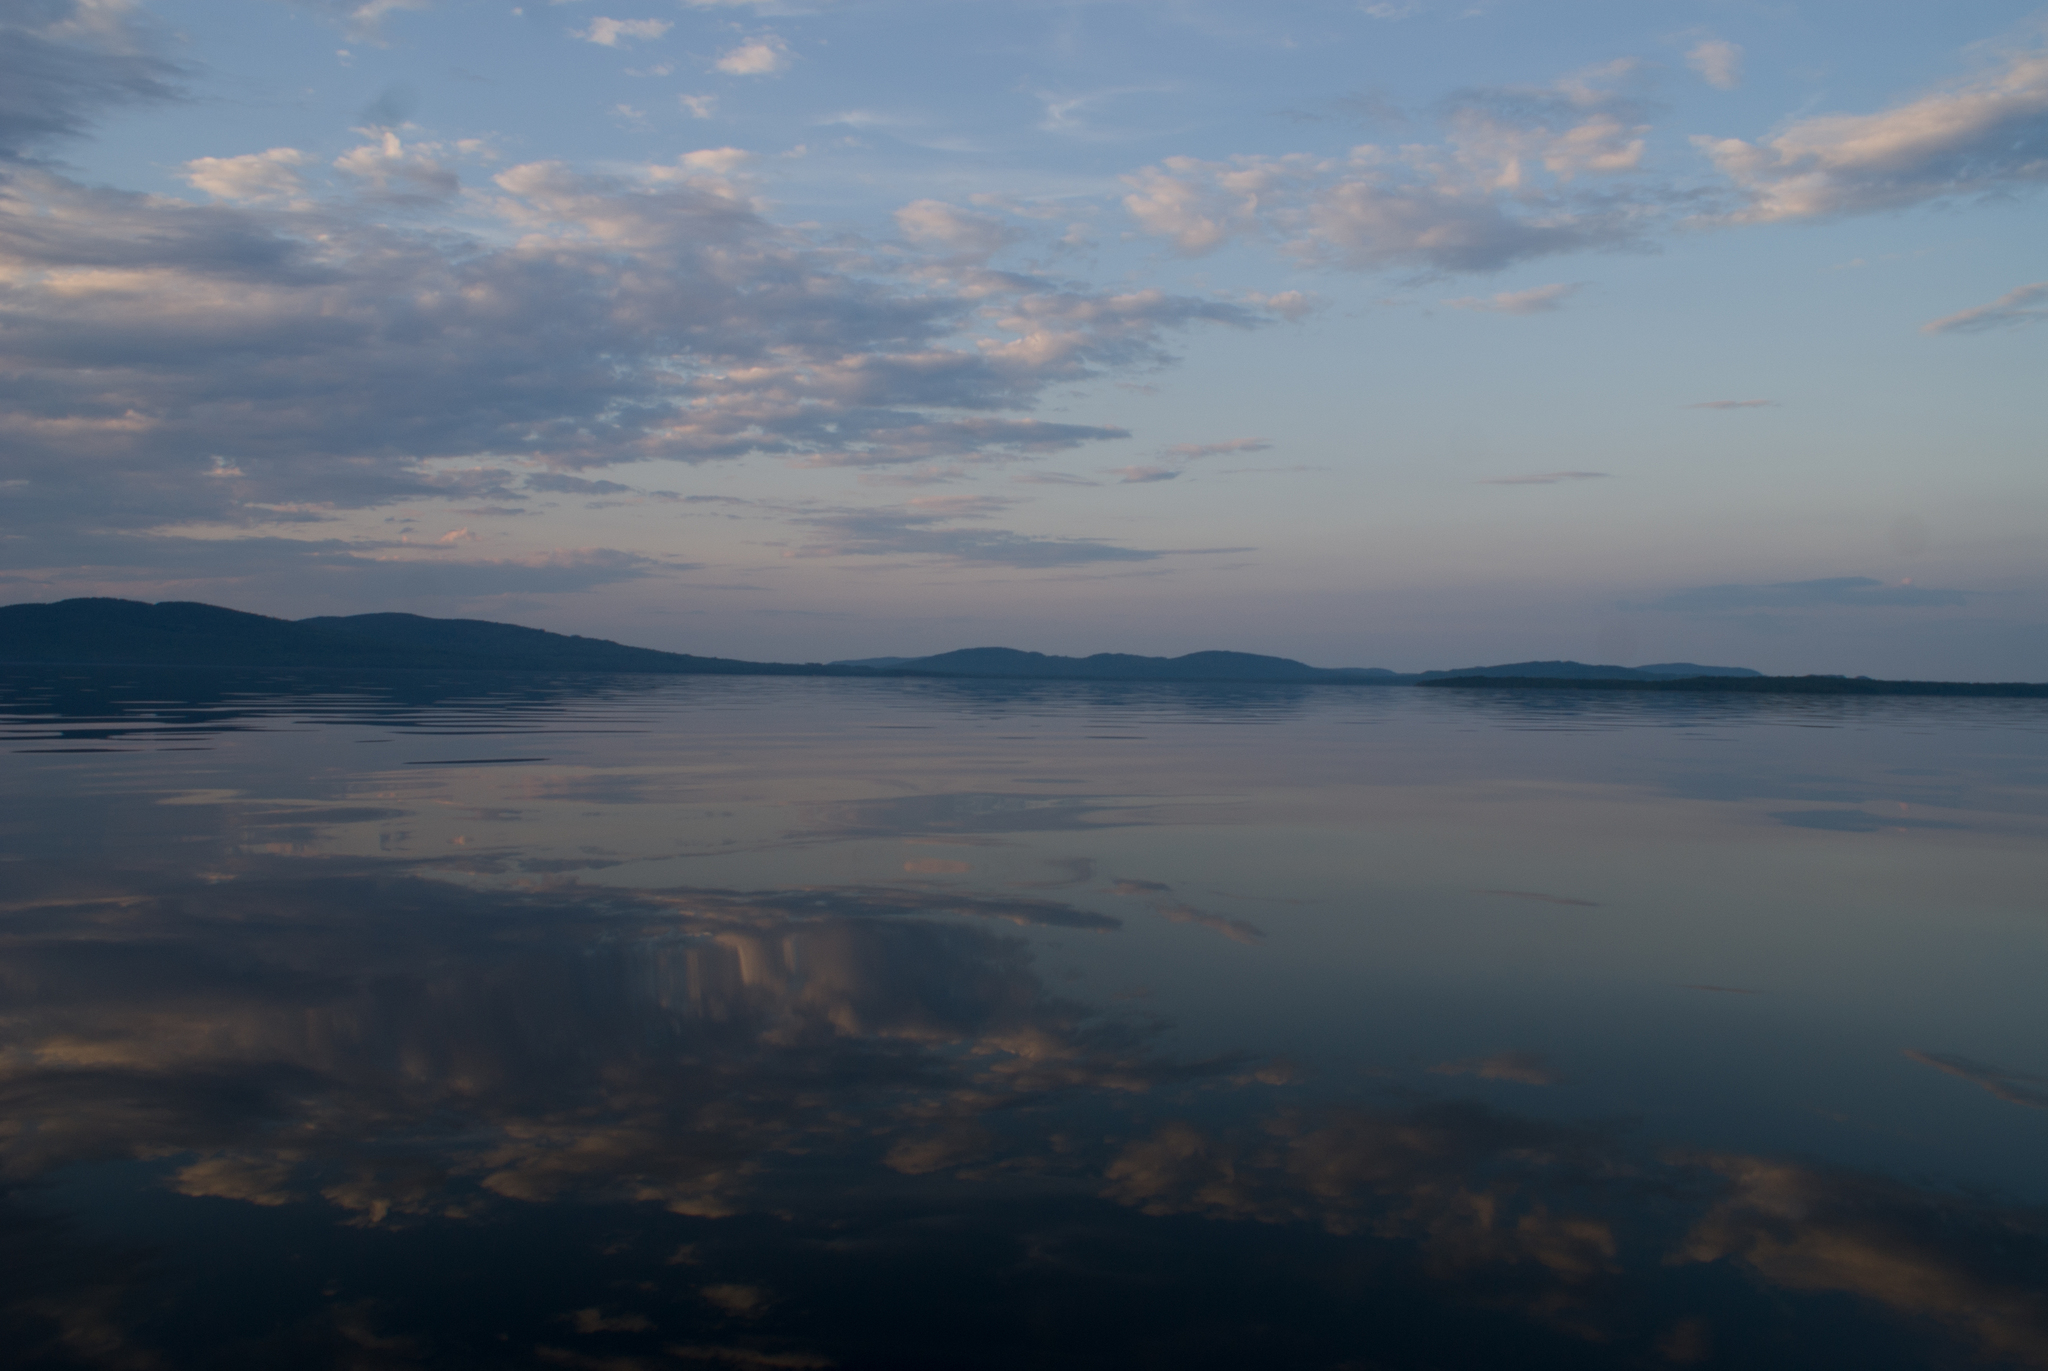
[[386, 1047], [405, 1055]]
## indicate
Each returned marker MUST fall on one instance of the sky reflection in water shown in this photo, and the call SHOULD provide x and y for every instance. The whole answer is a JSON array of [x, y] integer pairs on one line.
[[417, 1021]]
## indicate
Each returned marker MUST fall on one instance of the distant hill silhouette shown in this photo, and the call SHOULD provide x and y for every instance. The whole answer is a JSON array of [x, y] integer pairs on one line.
[[183, 633], [1580, 671], [1012, 664], [1687, 669]]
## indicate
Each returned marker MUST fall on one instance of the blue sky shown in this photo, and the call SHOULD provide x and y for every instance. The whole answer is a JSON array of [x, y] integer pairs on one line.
[[1388, 334]]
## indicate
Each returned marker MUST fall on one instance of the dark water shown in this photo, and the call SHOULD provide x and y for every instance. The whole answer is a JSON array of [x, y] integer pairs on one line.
[[421, 1021]]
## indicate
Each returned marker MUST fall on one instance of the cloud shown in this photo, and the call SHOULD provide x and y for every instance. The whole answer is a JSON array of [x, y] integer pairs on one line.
[[1291, 305], [557, 483], [1179, 455], [1051, 478], [1188, 452], [364, 19], [934, 223], [314, 570], [1719, 63], [1535, 300], [1833, 591], [763, 56], [246, 363], [936, 866], [64, 62], [1502, 188], [1986, 134], [699, 106], [253, 178], [2024, 305], [919, 529], [2014, 1087], [1523, 1068], [610, 33], [1733, 404], [388, 170], [1520, 173], [1545, 478]]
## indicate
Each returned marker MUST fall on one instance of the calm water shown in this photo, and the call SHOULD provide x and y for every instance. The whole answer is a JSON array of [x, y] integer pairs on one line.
[[670, 1023]]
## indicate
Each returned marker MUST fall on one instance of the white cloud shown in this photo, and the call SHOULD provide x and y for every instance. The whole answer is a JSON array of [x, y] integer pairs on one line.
[[253, 178], [364, 19], [699, 106], [1202, 205], [714, 161], [1976, 136], [1536, 300], [1521, 173], [1719, 63], [205, 364], [611, 32], [1292, 305], [2025, 305], [761, 56], [1498, 190], [390, 170], [937, 224]]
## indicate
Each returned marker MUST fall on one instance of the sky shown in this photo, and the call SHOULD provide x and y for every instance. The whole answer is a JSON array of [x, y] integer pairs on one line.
[[1410, 333]]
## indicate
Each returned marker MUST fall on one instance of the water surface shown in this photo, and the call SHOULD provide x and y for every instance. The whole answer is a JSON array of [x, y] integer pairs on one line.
[[430, 1020]]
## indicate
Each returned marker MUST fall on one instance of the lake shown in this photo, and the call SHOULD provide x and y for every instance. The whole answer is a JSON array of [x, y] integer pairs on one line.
[[417, 1020]]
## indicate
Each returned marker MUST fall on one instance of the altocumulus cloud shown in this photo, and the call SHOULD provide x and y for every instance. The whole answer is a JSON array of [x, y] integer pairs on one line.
[[1519, 173], [1976, 136], [286, 351], [1510, 182]]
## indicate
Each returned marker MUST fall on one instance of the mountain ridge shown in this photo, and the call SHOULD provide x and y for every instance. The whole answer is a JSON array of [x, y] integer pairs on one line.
[[115, 632]]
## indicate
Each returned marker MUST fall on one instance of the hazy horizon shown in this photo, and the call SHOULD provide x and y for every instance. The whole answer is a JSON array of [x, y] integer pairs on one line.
[[1395, 334]]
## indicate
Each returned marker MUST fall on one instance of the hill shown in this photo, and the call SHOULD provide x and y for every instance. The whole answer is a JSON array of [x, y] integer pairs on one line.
[[1012, 664], [184, 633], [1580, 671]]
